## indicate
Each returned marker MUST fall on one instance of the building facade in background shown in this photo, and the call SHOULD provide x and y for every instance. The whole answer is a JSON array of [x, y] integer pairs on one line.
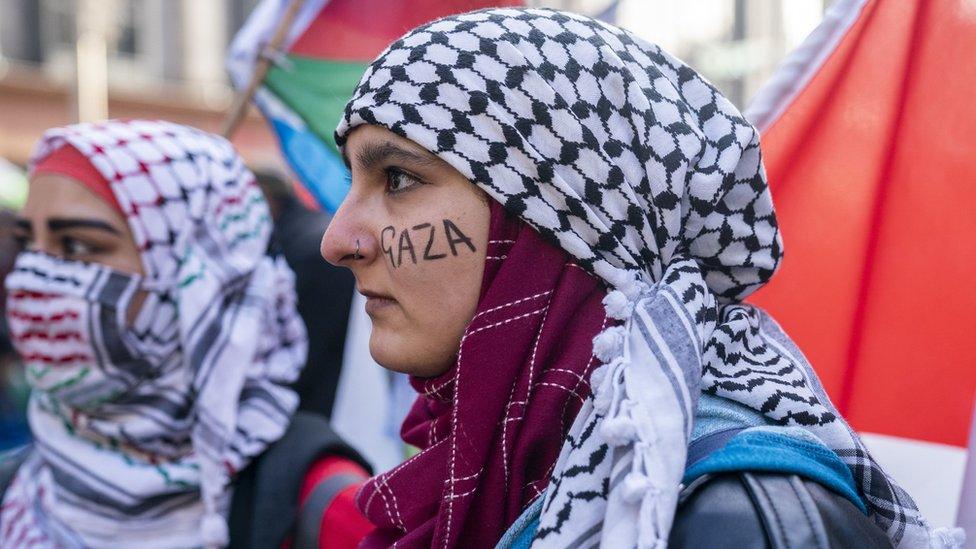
[[165, 57]]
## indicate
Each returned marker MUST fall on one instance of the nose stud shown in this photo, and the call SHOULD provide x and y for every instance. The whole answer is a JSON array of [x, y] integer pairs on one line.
[[357, 256]]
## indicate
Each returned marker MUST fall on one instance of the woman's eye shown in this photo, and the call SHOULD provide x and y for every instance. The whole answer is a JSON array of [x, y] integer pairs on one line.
[[21, 241], [398, 181], [75, 247]]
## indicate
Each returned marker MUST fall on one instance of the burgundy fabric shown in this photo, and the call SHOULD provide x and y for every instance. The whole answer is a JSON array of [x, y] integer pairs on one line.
[[70, 162], [491, 427]]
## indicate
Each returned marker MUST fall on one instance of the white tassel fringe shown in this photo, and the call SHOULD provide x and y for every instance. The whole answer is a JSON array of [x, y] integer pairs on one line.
[[214, 531]]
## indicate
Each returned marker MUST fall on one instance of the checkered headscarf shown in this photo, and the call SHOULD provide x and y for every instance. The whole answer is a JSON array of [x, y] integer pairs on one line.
[[631, 162], [143, 450]]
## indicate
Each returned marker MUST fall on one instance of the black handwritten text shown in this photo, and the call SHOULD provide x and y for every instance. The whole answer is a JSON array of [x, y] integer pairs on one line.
[[402, 248]]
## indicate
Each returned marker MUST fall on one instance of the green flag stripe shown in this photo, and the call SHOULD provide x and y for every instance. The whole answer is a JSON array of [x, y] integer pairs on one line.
[[316, 89]]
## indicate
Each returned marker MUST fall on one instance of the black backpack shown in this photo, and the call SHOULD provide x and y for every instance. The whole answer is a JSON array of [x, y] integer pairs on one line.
[[264, 511]]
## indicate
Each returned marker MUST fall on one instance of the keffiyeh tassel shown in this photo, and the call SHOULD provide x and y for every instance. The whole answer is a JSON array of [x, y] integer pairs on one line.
[[644, 479]]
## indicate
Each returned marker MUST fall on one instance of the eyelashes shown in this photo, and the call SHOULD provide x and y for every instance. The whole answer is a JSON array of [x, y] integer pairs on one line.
[[21, 242], [74, 247], [399, 181], [70, 247]]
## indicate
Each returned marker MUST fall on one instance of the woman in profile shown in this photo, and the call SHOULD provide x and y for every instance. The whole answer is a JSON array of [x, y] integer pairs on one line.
[[555, 224], [160, 341]]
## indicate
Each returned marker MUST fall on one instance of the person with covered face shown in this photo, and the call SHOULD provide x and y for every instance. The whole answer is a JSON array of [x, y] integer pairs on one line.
[[555, 223], [160, 341]]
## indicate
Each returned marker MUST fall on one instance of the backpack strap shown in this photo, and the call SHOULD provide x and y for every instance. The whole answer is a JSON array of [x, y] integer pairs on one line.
[[698, 450], [264, 508], [309, 524], [770, 510], [787, 510]]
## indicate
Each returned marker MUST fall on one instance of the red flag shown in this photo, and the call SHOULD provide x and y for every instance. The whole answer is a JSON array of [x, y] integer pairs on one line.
[[870, 147], [869, 137]]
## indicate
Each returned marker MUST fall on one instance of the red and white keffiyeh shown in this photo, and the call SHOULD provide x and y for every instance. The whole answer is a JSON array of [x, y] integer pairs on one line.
[[141, 427]]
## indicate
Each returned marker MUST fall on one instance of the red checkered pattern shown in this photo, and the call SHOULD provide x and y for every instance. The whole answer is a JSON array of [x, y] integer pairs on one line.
[[173, 405]]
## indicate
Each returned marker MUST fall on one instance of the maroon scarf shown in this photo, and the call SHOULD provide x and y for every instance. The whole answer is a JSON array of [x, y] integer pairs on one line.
[[491, 427]]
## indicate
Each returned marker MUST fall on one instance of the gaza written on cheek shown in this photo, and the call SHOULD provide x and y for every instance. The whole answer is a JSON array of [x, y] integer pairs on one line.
[[395, 247]]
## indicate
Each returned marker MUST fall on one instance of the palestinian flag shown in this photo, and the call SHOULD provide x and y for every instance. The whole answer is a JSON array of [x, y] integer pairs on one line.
[[323, 56], [869, 140]]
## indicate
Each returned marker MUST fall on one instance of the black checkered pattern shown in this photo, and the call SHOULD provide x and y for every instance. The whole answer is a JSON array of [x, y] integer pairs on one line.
[[608, 146]]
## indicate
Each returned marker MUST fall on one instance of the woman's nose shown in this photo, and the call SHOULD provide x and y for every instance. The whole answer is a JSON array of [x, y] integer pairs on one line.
[[347, 241]]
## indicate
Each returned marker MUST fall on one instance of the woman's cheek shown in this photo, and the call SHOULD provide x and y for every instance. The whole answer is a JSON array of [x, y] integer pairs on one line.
[[437, 264], [426, 244]]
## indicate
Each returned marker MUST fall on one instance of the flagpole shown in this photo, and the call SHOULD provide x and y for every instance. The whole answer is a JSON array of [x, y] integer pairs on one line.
[[261, 66], [966, 515], [91, 61]]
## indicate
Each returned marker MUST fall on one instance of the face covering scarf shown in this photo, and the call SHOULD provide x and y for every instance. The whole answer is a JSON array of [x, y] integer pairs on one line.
[[141, 425], [628, 160], [490, 427]]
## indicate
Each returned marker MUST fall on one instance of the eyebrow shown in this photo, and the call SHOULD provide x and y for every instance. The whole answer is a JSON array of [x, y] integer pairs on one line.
[[62, 223], [374, 153]]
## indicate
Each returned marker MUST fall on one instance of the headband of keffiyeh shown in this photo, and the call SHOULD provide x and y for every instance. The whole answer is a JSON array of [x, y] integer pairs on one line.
[[219, 343], [636, 166]]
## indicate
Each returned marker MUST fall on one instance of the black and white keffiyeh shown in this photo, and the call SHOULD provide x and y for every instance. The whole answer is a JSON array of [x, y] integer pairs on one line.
[[630, 161], [140, 427]]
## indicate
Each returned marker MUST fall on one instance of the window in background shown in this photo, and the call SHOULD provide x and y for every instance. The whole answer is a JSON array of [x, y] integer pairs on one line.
[[20, 37]]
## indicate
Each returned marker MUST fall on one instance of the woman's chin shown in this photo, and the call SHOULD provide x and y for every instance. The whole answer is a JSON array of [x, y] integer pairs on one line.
[[400, 354]]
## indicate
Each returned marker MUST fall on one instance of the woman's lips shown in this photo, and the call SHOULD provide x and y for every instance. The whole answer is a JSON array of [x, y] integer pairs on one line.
[[376, 302]]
